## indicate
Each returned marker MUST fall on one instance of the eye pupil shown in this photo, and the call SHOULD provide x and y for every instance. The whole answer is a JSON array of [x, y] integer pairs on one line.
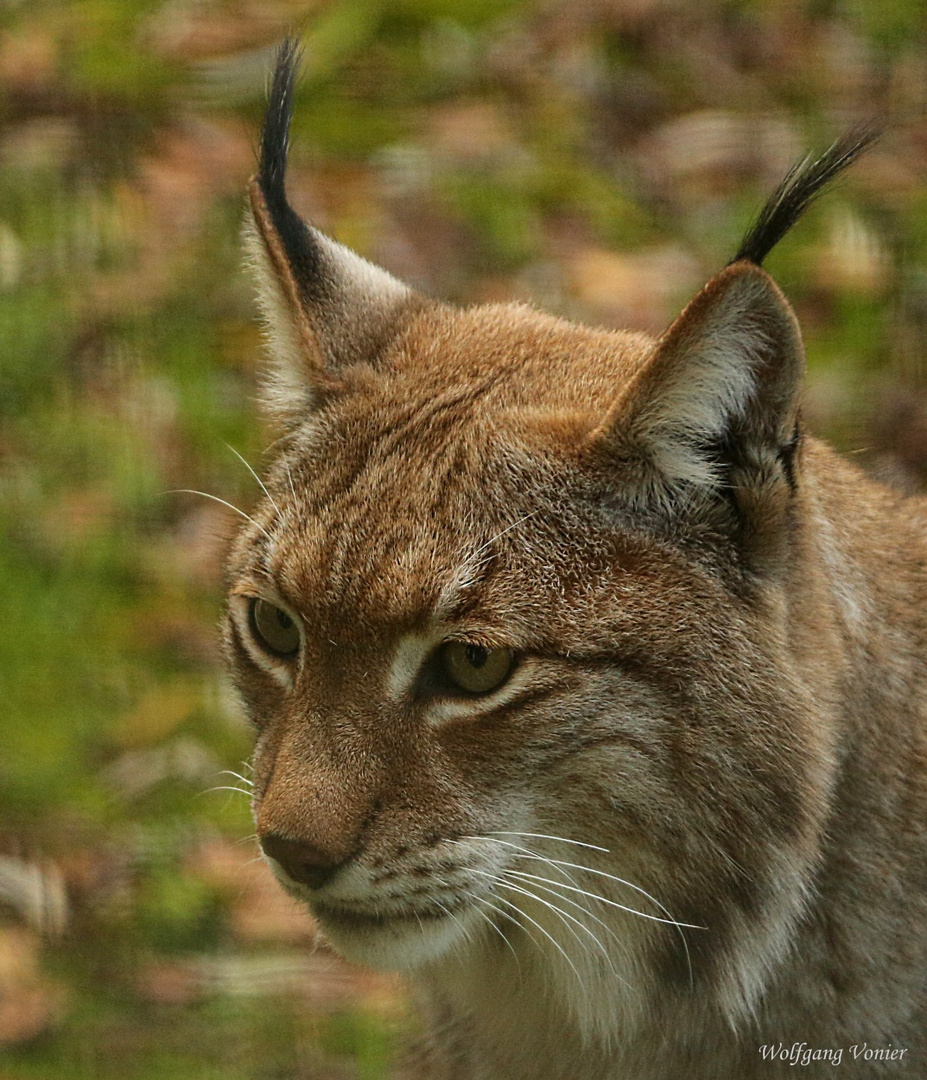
[[283, 620], [476, 655]]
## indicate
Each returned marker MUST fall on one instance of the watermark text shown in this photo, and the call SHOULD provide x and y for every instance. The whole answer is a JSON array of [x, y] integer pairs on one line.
[[801, 1053]]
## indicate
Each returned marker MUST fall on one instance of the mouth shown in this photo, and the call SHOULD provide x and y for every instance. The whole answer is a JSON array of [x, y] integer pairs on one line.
[[352, 920], [399, 940]]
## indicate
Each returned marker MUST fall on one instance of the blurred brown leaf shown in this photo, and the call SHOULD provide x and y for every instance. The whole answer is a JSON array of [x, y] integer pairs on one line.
[[29, 1001], [638, 291]]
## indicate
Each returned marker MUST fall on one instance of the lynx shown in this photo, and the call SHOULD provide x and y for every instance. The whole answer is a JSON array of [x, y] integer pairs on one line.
[[589, 689]]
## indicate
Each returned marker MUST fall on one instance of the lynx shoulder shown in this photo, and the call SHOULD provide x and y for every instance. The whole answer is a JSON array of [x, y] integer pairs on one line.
[[590, 690]]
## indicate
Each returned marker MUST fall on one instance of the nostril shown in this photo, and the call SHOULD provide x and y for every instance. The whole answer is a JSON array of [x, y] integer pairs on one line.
[[301, 861]]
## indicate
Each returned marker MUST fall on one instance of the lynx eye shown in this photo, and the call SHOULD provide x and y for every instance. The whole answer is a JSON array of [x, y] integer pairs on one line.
[[272, 628], [475, 668]]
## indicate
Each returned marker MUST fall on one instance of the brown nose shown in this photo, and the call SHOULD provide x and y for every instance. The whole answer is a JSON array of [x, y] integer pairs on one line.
[[302, 861]]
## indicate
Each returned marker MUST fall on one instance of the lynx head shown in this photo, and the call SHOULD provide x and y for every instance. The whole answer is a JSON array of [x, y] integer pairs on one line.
[[511, 621]]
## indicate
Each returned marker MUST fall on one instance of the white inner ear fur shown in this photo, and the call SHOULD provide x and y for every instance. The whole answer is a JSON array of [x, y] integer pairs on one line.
[[363, 298], [710, 384], [362, 282], [286, 392]]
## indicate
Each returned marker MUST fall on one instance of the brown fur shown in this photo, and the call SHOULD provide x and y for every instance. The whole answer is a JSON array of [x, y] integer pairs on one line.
[[719, 688]]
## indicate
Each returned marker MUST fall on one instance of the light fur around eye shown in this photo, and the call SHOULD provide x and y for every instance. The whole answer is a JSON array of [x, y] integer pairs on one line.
[[269, 633]]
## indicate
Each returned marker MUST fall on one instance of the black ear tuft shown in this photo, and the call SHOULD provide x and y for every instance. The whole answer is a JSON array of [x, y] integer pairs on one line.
[[325, 308], [275, 138], [798, 189], [301, 249]]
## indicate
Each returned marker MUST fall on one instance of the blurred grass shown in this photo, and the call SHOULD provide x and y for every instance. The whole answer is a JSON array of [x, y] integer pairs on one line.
[[598, 158]]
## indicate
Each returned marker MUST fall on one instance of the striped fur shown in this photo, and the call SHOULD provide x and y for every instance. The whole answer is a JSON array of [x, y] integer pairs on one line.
[[690, 820]]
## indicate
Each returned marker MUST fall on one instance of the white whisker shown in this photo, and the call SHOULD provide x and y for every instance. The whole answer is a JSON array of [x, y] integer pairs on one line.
[[511, 919], [508, 528], [502, 883], [486, 918], [228, 787], [450, 914], [255, 475], [575, 903], [520, 848], [558, 865], [621, 881], [237, 776], [556, 944], [611, 903], [547, 836], [289, 476], [572, 918], [215, 498]]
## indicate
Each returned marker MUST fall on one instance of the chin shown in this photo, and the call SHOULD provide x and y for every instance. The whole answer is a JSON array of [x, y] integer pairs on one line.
[[396, 942]]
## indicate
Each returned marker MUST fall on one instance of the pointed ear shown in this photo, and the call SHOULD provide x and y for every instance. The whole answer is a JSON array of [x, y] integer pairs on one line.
[[713, 411], [324, 307]]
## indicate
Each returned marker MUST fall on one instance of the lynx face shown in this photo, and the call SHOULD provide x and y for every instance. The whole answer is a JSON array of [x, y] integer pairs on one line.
[[459, 634], [549, 647]]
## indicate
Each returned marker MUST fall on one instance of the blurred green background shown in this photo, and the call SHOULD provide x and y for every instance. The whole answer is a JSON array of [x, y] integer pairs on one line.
[[599, 158]]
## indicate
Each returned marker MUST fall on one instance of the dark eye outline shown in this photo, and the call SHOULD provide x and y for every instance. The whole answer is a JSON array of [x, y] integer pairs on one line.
[[437, 680], [257, 635]]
